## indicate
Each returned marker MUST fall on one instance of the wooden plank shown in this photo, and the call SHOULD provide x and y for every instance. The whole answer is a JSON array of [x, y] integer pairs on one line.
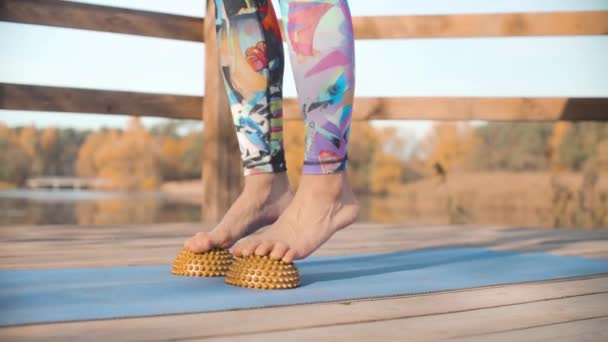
[[55, 99], [593, 329], [101, 18], [449, 325], [222, 171], [96, 246], [482, 25], [248, 323], [472, 108], [42, 98], [54, 246], [110, 19]]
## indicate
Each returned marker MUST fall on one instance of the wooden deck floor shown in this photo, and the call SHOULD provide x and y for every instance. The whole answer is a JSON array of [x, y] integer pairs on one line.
[[565, 310]]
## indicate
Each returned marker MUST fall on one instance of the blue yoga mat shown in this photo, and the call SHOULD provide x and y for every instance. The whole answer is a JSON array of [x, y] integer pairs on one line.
[[55, 295]]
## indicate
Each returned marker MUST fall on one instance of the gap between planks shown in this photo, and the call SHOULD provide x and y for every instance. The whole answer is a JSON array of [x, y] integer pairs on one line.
[[254, 323], [451, 325], [585, 329]]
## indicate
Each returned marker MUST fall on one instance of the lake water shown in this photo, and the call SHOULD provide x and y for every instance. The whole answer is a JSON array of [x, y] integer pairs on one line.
[[18, 207], [83, 207], [27, 207]]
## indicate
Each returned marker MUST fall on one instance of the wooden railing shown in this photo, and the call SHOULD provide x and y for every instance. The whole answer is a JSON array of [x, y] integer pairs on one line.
[[221, 173]]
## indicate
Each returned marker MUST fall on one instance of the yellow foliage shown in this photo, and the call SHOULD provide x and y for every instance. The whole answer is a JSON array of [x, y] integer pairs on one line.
[[560, 129], [28, 140], [602, 157], [449, 145], [48, 139], [362, 146], [125, 159], [294, 150], [86, 166], [386, 173], [171, 152], [6, 133]]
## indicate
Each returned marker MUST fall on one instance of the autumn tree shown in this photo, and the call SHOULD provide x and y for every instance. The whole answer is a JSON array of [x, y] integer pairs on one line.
[[581, 143], [513, 146], [192, 153], [29, 141], [14, 160], [560, 129], [386, 174], [363, 146], [448, 146], [170, 152], [86, 165], [293, 133], [127, 161], [50, 150], [387, 170]]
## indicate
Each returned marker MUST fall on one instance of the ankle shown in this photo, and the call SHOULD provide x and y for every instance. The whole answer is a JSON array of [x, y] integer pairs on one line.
[[266, 186], [334, 186]]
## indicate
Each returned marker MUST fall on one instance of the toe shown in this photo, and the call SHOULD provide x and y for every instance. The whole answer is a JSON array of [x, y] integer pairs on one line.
[[237, 249], [264, 248], [290, 255], [278, 251], [221, 239], [249, 246], [200, 243]]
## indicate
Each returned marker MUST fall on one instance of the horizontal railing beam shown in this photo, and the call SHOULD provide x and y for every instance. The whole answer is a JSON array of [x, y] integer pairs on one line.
[[54, 99], [471, 108], [120, 20], [482, 25], [101, 18]]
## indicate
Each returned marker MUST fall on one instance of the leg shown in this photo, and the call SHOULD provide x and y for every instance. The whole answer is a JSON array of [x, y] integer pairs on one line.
[[322, 54], [251, 57]]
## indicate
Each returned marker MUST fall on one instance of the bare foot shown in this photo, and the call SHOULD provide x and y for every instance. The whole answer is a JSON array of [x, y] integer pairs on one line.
[[322, 205], [262, 201]]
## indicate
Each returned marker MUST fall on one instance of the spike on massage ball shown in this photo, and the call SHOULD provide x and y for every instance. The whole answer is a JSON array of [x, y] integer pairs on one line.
[[214, 263], [262, 272]]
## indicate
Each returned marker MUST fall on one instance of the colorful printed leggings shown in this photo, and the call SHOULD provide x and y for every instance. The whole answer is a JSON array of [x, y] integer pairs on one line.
[[321, 46]]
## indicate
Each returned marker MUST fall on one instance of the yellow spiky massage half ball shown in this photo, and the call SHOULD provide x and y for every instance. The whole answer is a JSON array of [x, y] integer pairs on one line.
[[214, 263], [262, 272]]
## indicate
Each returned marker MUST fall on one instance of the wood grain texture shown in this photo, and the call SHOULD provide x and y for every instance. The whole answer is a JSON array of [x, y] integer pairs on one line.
[[118, 20], [222, 171], [152, 244], [449, 325], [469, 313], [247, 324], [482, 25], [471, 108], [584, 329], [55, 99], [41, 98], [101, 18]]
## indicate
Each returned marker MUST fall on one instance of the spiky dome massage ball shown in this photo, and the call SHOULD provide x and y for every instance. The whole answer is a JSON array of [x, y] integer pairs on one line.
[[262, 272], [213, 263]]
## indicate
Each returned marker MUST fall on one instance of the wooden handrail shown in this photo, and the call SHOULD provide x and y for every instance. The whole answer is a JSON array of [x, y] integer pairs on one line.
[[102, 18], [53, 99], [221, 176], [145, 23], [473, 108], [482, 25]]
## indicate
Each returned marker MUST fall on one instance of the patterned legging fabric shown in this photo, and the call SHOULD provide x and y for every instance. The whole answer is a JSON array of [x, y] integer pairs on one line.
[[321, 45]]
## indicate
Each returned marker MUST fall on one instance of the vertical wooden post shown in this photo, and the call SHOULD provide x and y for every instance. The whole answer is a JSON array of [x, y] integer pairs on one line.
[[222, 171]]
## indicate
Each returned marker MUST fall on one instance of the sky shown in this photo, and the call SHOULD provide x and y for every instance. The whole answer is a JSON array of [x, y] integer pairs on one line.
[[530, 66]]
